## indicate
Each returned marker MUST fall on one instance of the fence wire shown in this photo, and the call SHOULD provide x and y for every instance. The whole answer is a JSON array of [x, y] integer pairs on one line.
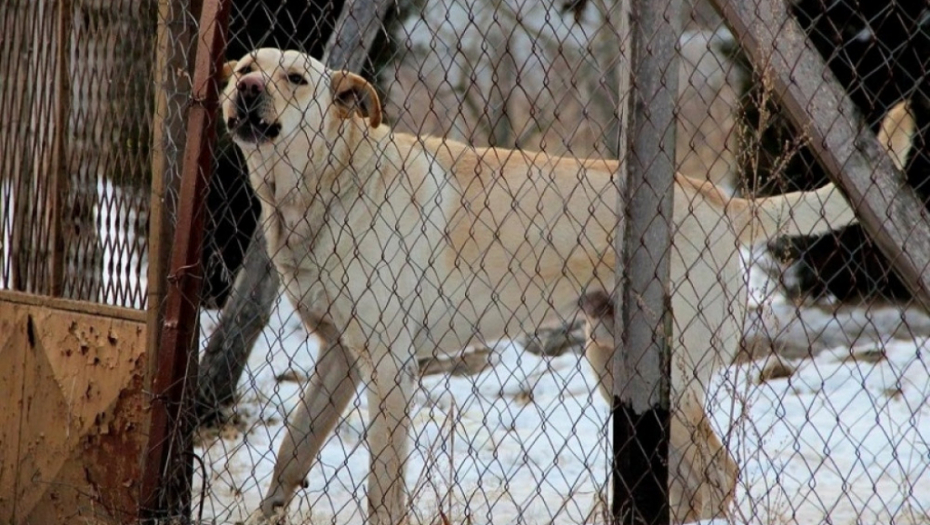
[[793, 403], [818, 416], [409, 266]]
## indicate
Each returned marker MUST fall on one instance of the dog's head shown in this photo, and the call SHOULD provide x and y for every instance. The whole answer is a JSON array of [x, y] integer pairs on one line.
[[272, 93]]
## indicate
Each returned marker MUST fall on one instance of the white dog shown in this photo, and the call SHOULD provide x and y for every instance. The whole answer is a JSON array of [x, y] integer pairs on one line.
[[393, 247]]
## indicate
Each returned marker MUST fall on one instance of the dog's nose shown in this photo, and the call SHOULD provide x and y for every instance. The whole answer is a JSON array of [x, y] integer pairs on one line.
[[250, 86]]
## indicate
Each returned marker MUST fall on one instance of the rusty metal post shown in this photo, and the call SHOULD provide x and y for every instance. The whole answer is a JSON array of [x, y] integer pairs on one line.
[[167, 474], [641, 366], [59, 166]]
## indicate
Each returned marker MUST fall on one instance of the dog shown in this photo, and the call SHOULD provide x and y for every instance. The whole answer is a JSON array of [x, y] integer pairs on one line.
[[393, 246]]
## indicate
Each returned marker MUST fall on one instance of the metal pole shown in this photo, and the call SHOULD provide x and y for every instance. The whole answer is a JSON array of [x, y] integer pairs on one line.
[[59, 172], [648, 91]]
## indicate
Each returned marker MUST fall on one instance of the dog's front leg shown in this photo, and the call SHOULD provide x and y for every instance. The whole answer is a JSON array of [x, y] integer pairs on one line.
[[332, 384], [390, 396]]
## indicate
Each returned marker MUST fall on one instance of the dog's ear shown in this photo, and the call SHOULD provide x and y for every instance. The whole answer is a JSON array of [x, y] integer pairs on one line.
[[227, 72], [352, 93]]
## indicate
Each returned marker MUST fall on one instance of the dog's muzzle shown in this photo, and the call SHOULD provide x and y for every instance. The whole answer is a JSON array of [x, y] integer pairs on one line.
[[250, 123]]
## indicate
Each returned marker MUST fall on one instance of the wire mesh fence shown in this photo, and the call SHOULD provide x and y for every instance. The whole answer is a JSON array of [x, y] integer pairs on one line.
[[512, 430], [76, 148], [819, 417], [410, 266]]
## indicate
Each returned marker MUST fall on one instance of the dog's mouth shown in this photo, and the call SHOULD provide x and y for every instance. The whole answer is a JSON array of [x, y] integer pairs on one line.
[[251, 123], [250, 127]]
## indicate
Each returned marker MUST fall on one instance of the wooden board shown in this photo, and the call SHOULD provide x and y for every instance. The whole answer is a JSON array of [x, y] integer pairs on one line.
[[73, 426]]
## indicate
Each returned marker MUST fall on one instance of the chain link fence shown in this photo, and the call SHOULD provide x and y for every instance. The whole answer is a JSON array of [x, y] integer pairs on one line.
[[818, 418], [410, 257]]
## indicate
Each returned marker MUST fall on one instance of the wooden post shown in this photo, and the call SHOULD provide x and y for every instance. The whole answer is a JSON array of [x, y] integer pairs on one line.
[[648, 91], [888, 208]]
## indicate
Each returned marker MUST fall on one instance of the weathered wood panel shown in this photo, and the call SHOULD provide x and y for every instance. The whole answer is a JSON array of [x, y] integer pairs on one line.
[[73, 427]]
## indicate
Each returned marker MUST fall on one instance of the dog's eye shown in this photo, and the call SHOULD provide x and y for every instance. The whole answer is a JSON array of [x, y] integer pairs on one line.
[[245, 70], [296, 79]]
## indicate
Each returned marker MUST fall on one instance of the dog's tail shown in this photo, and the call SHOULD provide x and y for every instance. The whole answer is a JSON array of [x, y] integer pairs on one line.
[[796, 213]]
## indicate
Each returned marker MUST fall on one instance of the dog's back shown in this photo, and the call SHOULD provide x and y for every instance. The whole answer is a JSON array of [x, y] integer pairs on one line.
[[529, 232]]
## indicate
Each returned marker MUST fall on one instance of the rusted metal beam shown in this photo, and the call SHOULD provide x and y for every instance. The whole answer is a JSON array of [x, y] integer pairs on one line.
[[174, 36], [641, 365], [168, 462], [888, 208], [59, 165]]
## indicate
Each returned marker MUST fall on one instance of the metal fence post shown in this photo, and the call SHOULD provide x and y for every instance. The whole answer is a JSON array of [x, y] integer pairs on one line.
[[642, 362], [166, 483]]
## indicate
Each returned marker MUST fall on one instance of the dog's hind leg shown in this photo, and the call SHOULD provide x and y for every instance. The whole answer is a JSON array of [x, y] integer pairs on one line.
[[390, 397], [704, 476], [702, 473], [722, 471], [332, 384]]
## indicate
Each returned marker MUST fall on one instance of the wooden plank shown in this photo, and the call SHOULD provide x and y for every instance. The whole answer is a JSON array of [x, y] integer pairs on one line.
[[70, 305], [888, 208], [642, 360], [76, 381]]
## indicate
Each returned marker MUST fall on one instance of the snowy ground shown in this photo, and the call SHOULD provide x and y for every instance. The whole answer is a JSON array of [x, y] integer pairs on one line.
[[526, 438], [844, 439]]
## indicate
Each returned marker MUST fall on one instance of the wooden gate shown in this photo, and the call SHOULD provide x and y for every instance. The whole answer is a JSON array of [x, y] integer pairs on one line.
[[75, 188]]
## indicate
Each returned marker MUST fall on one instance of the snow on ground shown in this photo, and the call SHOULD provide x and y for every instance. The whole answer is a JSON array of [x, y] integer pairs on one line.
[[124, 279], [845, 439], [526, 438], [7, 202]]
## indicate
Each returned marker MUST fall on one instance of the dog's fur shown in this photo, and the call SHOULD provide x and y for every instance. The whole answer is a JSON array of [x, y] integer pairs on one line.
[[393, 247]]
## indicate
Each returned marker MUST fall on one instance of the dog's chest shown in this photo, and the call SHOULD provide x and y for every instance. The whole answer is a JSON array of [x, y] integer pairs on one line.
[[296, 231]]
